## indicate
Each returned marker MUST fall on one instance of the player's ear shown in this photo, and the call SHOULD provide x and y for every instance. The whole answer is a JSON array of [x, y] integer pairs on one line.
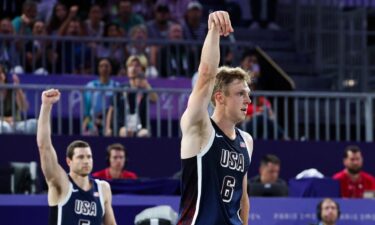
[[219, 97], [68, 161]]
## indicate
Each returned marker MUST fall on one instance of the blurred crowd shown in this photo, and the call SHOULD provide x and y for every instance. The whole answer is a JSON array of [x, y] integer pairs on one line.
[[80, 33]]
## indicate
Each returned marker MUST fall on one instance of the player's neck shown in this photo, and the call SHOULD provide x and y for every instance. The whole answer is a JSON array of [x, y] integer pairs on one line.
[[225, 125], [82, 181]]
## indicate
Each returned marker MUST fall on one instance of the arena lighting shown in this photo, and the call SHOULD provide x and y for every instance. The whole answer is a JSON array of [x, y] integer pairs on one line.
[[350, 83]]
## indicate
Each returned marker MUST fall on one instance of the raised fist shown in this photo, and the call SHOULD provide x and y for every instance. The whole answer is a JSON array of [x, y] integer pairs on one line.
[[221, 21], [50, 96]]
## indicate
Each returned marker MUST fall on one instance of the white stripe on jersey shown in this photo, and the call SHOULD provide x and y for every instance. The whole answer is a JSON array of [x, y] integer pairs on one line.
[[209, 144], [199, 170], [101, 195], [249, 151], [63, 202]]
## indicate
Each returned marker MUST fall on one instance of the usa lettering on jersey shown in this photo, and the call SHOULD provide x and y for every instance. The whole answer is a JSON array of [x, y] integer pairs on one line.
[[232, 160], [85, 208]]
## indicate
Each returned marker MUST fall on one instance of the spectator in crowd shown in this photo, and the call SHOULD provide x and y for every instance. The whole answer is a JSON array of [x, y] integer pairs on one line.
[[39, 54], [84, 6], [96, 102], [353, 180], [260, 119], [144, 8], [138, 46], [260, 116], [94, 26], [177, 8], [11, 118], [72, 16], [131, 106], [116, 160], [327, 212], [138, 37], [158, 27], [175, 59], [74, 56], [193, 27], [59, 15], [23, 24], [264, 17], [126, 18], [112, 49], [8, 51], [268, 183], [249, 62]]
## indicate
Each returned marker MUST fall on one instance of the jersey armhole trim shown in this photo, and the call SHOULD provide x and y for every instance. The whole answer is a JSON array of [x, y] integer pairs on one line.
[[67, 196], [249, 152], [209, 143], [101, 194]]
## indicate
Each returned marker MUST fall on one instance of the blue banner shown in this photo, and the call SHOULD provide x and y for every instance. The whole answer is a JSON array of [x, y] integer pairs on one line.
[[264, 211]]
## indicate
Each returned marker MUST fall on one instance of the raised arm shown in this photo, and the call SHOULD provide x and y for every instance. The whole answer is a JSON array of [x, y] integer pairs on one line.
[[218, 24], [195, 118], [56, 177]]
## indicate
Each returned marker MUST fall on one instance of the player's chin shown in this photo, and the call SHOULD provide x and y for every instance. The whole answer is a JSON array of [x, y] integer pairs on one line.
[[240, 119], [85, 171]]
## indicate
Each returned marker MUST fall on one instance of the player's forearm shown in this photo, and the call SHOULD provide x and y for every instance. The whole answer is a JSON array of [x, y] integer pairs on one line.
[[44, 128], [210, 56], [245, 210]]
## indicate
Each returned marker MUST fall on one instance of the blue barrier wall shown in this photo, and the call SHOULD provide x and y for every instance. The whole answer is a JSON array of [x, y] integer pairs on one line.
[[33, 210], [153, 157]]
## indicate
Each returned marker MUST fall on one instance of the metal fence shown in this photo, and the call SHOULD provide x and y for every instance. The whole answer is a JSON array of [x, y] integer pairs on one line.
[[295, 115], [79, 55], [338, 36]]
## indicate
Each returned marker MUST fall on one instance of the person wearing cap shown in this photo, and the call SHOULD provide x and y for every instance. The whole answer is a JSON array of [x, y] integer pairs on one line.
[[158, 27], [193, 26]]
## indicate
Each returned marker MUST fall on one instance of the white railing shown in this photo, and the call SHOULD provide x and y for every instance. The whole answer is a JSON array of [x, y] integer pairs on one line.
[[295, 115]]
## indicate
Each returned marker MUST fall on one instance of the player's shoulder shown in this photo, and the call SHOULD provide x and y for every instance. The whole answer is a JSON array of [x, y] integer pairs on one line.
[[104, 185], [246, 136]]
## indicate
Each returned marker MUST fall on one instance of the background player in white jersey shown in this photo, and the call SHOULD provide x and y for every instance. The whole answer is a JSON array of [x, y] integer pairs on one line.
[[215, 154], [74, 198]]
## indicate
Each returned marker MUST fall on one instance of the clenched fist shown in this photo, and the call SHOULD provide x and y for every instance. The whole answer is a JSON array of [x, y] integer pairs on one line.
[[221, 21], [50, 96]]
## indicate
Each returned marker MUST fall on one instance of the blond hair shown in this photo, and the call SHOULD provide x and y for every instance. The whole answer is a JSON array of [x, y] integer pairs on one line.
[[140, 58], [227, 75]]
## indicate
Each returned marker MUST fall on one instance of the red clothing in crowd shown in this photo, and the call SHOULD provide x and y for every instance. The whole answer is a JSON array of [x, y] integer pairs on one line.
[[104, 174], [261, 104], [354, 189]]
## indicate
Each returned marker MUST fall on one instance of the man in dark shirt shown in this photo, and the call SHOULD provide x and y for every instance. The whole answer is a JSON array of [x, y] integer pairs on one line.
[[268, 183]]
